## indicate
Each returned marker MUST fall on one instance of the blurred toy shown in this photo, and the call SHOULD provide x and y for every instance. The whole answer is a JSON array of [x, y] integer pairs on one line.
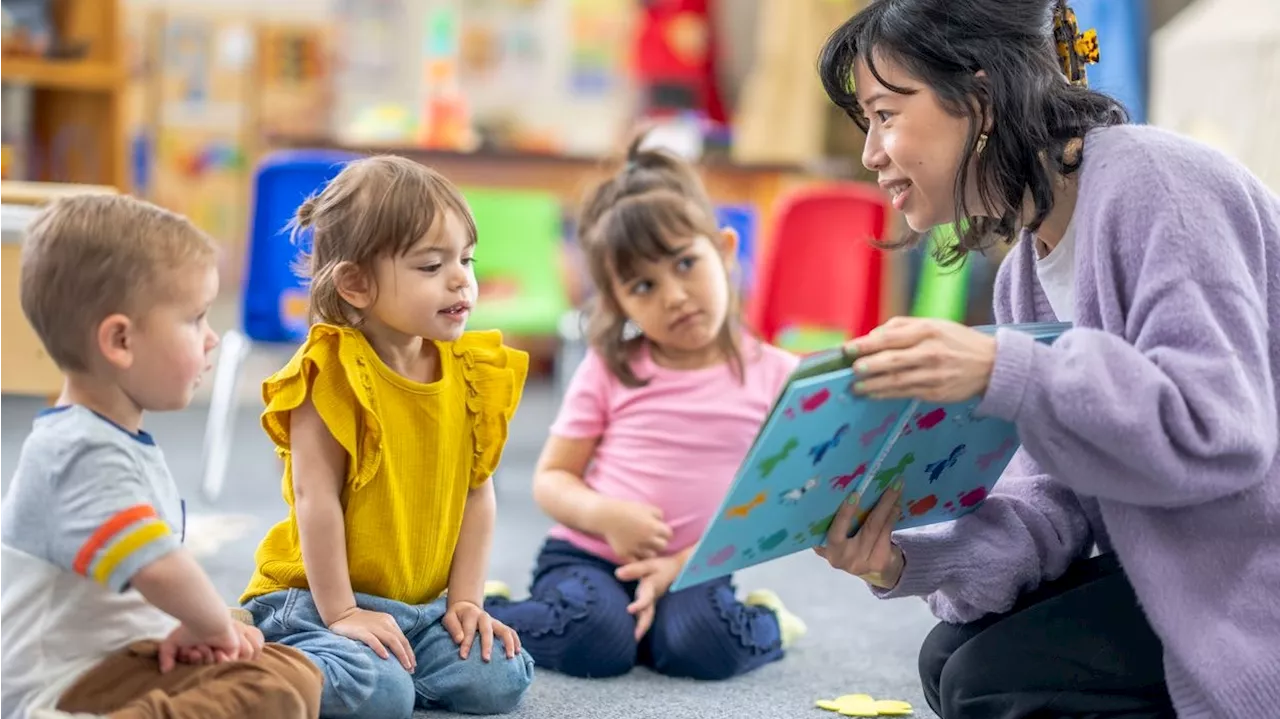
[[675, 58], [446, 118]]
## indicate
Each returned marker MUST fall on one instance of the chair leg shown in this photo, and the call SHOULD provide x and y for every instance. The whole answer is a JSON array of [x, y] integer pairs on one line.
[[220, 426], [570, 352]]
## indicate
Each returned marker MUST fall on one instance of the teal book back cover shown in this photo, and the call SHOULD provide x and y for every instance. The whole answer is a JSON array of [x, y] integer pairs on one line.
[[821, 445]]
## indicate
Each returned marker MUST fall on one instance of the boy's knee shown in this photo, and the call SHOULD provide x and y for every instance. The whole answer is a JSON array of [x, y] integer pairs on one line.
[[297, 681], [475, 686]]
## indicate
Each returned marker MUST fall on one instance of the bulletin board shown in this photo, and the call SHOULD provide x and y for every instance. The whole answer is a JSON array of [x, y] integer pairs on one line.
[[529, 75], [206, 92]]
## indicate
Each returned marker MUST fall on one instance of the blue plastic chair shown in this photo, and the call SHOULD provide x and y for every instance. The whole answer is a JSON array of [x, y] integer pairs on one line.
[[274, 300], [282, 182], [744, 220]]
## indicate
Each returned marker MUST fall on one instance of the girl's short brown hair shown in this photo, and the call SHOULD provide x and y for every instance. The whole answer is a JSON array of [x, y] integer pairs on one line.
[[632, 217], [376, 207]]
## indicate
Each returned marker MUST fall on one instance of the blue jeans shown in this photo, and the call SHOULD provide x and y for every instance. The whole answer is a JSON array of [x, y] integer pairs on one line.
[[359, 683], [575, 622]]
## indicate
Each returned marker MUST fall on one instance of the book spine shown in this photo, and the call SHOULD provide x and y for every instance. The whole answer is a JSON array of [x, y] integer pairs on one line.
[[885, 446]]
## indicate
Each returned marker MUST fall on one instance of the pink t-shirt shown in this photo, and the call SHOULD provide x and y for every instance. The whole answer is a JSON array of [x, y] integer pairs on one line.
[[675, 443]]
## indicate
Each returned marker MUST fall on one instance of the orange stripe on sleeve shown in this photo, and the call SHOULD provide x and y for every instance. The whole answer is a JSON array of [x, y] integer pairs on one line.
[[109, 529]]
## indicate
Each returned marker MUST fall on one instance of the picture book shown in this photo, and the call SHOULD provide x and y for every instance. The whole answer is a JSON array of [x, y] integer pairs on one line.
[[821, 444]]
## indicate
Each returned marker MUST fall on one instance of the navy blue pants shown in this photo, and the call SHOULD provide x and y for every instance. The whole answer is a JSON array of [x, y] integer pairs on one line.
[[576, 622]]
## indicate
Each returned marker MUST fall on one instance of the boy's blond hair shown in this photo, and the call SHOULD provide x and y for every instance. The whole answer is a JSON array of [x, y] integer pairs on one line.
[[375, 207], [87, 257]]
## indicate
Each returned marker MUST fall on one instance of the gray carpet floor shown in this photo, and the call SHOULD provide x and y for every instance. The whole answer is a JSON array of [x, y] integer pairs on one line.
[[855, 644]]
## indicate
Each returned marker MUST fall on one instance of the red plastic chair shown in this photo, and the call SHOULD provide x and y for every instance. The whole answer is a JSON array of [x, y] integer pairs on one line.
[[821, 279]]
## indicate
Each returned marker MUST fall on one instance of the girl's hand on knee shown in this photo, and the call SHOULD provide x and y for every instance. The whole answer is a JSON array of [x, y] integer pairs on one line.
[[654, 577], [510, 639], [379, 631], [463, 620], [869, 554]]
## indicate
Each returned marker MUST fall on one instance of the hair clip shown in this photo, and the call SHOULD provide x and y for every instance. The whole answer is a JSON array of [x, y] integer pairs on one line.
[[1075, 49]]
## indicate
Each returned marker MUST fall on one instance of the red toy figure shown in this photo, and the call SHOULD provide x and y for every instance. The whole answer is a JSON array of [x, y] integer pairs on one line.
[[675, 58]]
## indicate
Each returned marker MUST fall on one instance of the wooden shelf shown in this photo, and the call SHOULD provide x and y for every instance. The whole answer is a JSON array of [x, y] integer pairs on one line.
[[93, 76]]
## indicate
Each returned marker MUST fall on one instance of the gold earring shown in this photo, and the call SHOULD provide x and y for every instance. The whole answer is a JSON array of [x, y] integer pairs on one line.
[[982, 142]]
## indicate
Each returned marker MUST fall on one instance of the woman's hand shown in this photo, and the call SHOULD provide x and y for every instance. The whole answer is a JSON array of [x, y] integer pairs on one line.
[[932, 360], [868, 554]]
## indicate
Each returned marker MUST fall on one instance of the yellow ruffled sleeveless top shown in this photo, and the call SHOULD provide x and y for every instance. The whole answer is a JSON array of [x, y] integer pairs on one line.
[[413, 452]]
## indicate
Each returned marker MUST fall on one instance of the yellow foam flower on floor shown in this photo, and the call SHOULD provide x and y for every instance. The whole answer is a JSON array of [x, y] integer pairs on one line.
[[864, 705]]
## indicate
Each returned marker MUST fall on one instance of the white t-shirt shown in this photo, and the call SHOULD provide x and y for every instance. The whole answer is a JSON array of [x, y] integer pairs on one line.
[[1057, 274], [90, 504]]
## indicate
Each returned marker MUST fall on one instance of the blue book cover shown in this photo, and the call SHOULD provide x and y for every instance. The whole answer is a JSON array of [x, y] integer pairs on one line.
[[821, 444]]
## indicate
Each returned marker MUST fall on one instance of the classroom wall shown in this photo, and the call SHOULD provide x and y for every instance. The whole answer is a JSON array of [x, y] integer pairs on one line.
[[257, 9]]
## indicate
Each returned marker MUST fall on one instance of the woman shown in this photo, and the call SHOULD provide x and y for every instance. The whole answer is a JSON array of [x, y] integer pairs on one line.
[[1128, 563]]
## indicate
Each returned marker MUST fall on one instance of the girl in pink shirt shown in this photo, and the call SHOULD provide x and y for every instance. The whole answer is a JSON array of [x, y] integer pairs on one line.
[[653, 427]]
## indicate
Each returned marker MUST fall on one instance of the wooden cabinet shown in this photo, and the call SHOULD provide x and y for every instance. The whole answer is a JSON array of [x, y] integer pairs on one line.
[[76, 126], [25, 368]]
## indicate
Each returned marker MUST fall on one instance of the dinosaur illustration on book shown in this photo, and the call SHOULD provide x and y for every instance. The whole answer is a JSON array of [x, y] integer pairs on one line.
[[935, 469], [843, 481], [819, 450], [743, 510], [768, 464], [885, 477]]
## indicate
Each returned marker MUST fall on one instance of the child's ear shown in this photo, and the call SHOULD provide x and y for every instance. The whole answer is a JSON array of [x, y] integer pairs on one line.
[[115, 340], [729, 245], [354, 285]]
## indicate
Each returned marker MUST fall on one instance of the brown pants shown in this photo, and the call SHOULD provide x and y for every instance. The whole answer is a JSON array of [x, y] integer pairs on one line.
[[282, 684]]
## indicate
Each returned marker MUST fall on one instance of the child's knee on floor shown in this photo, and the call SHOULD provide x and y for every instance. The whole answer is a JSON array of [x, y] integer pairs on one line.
[[704, 633], [474, 686], [576, 624], [359, 683]]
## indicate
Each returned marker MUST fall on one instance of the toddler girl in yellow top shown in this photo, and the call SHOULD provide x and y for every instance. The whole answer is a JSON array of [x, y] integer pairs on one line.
[[390, 420]]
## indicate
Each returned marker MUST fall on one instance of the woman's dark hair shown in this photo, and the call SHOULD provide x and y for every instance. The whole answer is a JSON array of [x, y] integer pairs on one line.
[[1035, 113], [653, 199]]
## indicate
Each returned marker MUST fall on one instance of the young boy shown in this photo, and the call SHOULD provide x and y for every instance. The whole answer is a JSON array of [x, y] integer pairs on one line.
[[103, 610]]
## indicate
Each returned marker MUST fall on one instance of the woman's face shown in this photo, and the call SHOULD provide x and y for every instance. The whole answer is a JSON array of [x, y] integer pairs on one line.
[[913, 144]]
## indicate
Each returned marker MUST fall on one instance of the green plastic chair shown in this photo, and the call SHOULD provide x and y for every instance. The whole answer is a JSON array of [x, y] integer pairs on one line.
[[518, 262], [941, 293]]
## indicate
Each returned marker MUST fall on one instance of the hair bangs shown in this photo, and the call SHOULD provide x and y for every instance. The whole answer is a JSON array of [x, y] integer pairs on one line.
[[647, 228]]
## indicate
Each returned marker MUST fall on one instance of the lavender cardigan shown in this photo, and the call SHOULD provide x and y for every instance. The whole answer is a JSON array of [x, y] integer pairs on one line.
[[1150, 428]]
